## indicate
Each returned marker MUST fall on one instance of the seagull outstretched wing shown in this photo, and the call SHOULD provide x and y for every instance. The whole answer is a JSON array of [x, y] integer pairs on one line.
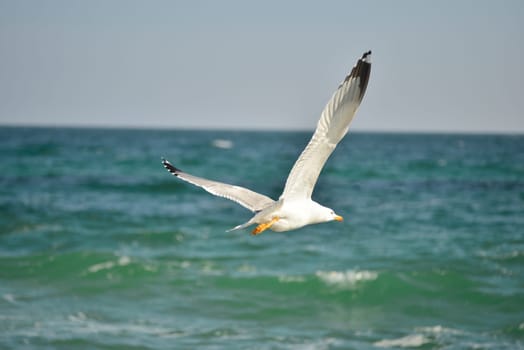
[[247, 198], [331, 128]]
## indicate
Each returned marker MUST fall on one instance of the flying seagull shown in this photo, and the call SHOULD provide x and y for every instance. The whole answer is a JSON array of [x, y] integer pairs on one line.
[[295, 208]]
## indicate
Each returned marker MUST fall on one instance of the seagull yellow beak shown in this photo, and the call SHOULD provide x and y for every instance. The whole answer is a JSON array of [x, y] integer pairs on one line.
[[339, 218]]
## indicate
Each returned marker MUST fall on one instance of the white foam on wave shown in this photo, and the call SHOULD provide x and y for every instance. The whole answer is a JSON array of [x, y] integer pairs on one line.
[[409, 341], [78, 317], [122, 261], [246, 268], [422, 336], [10, 298], [504, 255], [320, 344], [438, 330], [347, 278], [80, 323], [222, 143]]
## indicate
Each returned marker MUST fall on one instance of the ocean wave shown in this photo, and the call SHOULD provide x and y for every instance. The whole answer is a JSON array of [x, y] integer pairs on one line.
[[291, 279], [81, 323], [438, 330], [10, 298], [346, 279], [511, 255], [122, 261], [425, 335], [440, 336], [409, 341], [222, 143]]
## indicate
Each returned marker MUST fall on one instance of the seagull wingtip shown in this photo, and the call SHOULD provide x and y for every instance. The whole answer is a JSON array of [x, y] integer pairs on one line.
[[165, 162], [366, 57], [170, 167]]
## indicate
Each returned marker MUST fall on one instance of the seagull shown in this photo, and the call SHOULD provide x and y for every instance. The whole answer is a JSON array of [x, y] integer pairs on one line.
[[295, 208]]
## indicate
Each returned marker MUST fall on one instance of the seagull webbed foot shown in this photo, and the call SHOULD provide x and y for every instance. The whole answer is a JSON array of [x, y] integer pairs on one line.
[[264, 226]]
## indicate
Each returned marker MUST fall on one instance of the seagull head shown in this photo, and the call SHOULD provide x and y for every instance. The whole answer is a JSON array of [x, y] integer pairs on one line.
[[328, 214], [336, 217]]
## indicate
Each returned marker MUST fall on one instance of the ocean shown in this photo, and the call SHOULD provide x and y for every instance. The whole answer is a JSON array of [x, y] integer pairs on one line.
[[101, 248]]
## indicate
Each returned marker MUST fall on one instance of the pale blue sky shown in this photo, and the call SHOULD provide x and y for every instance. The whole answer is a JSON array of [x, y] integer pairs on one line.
[[437, 66]]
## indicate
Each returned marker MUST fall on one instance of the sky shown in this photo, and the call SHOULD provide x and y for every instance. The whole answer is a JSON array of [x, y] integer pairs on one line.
[[438, 66]]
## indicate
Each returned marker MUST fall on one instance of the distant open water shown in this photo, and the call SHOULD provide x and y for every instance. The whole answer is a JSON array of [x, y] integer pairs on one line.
[[100, 248]]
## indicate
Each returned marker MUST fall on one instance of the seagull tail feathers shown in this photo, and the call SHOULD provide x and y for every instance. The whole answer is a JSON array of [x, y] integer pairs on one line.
[[239, 227]]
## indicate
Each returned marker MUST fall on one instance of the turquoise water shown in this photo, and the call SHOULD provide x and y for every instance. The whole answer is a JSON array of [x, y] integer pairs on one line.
[[101, 248]]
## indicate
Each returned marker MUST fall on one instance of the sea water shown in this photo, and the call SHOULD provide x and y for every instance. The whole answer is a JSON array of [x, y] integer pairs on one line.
[[101, 248]]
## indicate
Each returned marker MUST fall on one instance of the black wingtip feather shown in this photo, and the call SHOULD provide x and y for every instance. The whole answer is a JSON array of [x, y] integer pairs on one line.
[[173, 170], [362, 70]]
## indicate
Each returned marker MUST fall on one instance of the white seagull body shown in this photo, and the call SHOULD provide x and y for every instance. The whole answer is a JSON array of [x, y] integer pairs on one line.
[[295, 208]]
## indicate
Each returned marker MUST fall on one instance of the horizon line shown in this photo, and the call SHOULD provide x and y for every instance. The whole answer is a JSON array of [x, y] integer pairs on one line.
[[251, 129]]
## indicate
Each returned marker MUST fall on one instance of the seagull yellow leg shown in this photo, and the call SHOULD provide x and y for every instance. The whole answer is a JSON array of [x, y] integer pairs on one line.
[[264, 226]]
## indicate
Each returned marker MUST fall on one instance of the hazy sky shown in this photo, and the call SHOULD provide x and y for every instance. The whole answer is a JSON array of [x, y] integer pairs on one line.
[[437, 66]]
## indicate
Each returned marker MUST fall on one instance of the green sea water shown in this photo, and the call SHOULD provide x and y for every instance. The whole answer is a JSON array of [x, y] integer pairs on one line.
[[101, 248]]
